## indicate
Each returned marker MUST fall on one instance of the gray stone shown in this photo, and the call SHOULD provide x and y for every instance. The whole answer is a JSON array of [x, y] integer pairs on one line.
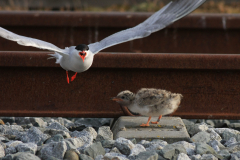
[[27, 147], [190, 147], [169, 129], [234, 157], [133, 140], [8, 119], [85, 135], [4, 139], [183, 156], [108, 143], [65, 122], [136, 150], [224, 153], [214, 135], [231, 141], [172, 151], [11, 129], [34, 135], [227, 133], [94, 150], [214, 145], [57, 126], [85, 157], [156, 144], [201, 137], [10, 150], [91, 131], [53, 132], [147, 155], [117, 156], [37, 122], [198, 128], [48, 119], [124, 145], [99, 157], [107, 150], [92, 122], [115, 150], [203, 148], [2, 151], [22, 120], [217, 144], [235, 126], [237, 154], [74, 143], [21, 156], [189, 125], [235, 147], [55, 138], [145, 143], [220, 123], [49, 158], [104, 133], [55, 149], [72, 155], [195, 157], [13, 143], [208, 157]]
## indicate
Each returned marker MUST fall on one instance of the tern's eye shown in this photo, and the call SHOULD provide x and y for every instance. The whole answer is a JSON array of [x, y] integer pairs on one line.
[[122, 97]]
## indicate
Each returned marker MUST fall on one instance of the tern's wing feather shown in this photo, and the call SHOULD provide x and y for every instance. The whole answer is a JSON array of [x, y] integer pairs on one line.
[[159, 20], [27, 41]]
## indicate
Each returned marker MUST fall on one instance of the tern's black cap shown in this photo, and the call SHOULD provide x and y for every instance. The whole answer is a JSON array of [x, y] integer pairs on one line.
[[82, 47]]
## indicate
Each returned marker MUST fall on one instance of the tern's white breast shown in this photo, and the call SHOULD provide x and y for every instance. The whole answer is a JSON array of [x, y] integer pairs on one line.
[[75, 63]]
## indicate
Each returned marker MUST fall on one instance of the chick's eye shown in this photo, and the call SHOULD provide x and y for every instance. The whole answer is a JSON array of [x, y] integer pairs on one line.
[[122, 97]]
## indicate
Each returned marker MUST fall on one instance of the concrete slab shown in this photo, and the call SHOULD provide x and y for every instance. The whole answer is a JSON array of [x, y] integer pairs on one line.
[[170, 129]]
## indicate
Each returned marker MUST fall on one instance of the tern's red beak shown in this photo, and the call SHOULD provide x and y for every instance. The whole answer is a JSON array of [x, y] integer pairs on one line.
[[82, 55]]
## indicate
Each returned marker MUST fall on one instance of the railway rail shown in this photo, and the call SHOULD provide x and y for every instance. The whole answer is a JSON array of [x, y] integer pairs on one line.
[[34, 86], [196, 33], [176, 59]]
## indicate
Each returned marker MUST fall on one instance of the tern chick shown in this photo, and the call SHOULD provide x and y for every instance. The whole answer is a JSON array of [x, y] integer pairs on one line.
[[150, 102], [79, 58]]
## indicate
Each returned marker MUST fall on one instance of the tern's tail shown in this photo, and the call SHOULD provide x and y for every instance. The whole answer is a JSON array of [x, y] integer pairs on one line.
[[57, 56]]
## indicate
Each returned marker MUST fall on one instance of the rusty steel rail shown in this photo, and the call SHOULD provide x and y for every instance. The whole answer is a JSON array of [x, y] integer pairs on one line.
[[34, 86], [196, 33]]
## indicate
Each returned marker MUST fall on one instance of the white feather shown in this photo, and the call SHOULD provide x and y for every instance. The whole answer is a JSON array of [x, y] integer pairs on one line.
[[159, 20], [27, 41]]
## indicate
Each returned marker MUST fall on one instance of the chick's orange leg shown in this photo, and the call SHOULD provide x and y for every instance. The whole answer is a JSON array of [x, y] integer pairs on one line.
[[157, 120], [147, 124], [67, 77], [74, 76]]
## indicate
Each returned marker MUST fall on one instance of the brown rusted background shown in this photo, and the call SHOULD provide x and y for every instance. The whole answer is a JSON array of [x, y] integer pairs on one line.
[[34, 86], [196, 33]]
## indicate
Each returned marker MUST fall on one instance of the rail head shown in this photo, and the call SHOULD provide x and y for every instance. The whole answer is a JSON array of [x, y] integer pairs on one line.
[[129, 60], [108, 19]]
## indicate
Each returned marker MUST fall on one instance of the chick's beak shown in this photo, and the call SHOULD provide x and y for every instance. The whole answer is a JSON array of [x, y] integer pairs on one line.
[[82, 55], [116, 99]]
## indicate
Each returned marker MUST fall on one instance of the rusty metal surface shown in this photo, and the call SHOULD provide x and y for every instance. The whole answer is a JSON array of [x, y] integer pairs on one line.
[[196, 33], [34, 86]]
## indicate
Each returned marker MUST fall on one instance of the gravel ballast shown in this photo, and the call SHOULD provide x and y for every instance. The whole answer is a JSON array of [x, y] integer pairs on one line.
[[91, 139]]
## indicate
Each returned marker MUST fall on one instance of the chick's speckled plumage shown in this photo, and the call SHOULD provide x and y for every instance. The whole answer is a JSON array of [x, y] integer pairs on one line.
[[150, 101]]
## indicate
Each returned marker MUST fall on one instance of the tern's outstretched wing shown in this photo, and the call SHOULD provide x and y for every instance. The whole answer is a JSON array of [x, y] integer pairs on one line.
[[27, 41], [159, 20]]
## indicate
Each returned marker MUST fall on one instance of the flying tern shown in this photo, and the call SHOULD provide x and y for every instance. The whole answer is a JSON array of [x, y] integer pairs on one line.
[[79, 58]]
